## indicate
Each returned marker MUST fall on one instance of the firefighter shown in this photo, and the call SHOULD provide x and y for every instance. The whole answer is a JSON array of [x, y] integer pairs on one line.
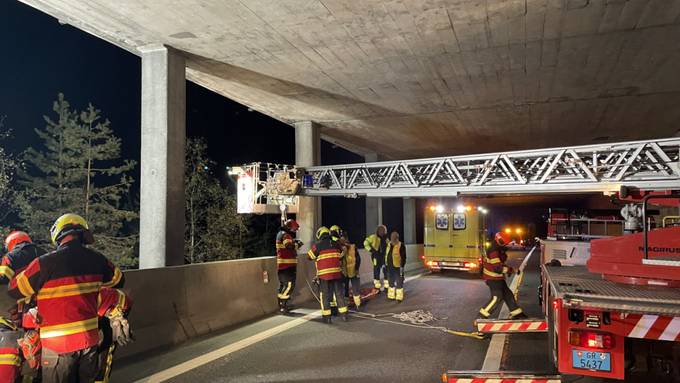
[[20, 252], [494, 275], [376, 244], [395, 259], [327, 256], [351, 262], [336, 234], [286, 260], [66, 283], [114, 308], [10, 359]]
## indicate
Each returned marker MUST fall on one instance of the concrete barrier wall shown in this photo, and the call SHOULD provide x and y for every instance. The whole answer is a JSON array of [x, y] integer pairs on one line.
[[175, 304]]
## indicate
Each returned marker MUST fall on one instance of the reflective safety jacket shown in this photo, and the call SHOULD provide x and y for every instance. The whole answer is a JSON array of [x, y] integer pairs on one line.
[[494, 263], [66, 284], [16, 260], [10, 361], [286, 250], [112, 302], [351, 261], [373, 243], [395, 255], [327, 257]]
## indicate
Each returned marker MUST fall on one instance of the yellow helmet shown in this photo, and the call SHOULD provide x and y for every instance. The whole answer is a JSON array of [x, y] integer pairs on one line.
[[66, 224], [335, 228], [321, 231]]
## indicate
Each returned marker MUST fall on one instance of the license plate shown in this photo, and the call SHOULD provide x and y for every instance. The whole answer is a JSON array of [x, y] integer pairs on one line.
[[591, 360]]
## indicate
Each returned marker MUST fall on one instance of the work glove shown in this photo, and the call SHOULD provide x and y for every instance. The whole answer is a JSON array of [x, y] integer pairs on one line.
[[507, 270], [120, 330]]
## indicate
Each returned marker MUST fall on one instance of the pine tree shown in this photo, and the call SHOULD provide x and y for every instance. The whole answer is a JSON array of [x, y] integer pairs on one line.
[[214, 231], [78, 170], [8, 166]]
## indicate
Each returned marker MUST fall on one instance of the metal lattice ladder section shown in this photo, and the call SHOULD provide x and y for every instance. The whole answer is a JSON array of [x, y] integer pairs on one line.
[[652, 164]]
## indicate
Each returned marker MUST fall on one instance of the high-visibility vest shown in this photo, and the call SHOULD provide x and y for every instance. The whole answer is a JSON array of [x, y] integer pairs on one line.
[[350, 262], [395, 252], [372, 243]]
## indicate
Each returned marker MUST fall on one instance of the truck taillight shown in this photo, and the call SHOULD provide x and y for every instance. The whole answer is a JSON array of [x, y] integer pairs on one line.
[[591, 339]]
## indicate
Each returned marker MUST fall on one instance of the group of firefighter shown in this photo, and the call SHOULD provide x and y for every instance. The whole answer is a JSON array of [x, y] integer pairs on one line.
[[69, 315], [337, 264]]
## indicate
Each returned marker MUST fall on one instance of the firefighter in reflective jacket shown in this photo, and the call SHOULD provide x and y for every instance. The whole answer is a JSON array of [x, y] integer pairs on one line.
[[10, 359], [376, 245], [494, 276], [286, 259], [20, 252], [66, 284], [395, 259], [327, 256], [351, 262], [114, 308]]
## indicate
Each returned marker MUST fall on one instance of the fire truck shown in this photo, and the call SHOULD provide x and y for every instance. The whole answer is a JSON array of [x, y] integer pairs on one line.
[[619, 309]]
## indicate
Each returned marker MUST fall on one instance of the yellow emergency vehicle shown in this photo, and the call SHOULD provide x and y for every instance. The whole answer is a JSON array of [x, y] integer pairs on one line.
[[454, 237]]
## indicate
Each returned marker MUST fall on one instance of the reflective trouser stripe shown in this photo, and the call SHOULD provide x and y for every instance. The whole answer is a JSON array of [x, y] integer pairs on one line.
[[286, 293], [324, 311], [486, 309], [357, 300], [376, 283], [400, 294], [386, 283], [342, 310], [515, 312], [390, 293]]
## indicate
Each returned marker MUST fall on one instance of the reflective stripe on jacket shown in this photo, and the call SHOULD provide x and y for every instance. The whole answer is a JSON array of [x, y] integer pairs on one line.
[[327, 257], [286, 251], [66, 283], [494, 263], [395, 255]]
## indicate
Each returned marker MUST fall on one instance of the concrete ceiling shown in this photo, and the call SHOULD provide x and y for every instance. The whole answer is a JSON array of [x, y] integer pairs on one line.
[[415, 78]]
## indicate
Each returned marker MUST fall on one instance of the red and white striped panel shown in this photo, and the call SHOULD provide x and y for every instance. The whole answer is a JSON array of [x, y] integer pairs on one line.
[[511, 326], [502, 380], [652, 327]]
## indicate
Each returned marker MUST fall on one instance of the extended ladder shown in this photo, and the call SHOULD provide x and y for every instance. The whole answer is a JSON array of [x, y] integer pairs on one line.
[[651, 164]]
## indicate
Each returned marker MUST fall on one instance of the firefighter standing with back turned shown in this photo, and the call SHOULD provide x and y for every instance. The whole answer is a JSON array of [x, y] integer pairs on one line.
[[327, 256], [351, 263], [395, 259], [66, 283], [494, 276], [376, 244], [20, 252], [286, 260]]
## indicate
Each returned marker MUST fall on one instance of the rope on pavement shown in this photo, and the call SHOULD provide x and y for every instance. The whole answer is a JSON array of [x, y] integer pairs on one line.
[[417, 319]]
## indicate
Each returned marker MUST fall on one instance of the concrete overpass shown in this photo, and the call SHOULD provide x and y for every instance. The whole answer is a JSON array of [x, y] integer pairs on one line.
[[384, 78], [391, 79]]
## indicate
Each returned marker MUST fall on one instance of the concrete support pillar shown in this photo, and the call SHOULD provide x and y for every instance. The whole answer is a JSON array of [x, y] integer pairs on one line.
[[308, 153], [161, 212], [373, 204], [409, 221]]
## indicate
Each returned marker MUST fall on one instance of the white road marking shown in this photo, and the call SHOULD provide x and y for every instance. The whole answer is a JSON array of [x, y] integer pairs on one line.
[[204, 359], [672, 330], [494, 354], [643, 326], [226, 350]]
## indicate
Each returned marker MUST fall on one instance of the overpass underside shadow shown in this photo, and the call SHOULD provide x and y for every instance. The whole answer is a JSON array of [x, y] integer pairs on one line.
[[306, 350]]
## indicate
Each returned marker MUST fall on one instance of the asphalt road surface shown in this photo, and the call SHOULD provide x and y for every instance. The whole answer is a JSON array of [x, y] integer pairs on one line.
[[361, 350]]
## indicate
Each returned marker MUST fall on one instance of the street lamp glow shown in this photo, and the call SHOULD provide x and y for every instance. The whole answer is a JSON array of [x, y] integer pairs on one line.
[[440, 209]]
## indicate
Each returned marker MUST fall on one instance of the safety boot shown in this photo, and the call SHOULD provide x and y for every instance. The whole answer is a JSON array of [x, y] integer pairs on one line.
[[345, 317], [391, 293], [327, 320]]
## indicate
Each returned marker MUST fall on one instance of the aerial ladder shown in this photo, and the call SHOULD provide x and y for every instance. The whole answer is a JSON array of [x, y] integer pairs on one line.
[[629, 288]]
